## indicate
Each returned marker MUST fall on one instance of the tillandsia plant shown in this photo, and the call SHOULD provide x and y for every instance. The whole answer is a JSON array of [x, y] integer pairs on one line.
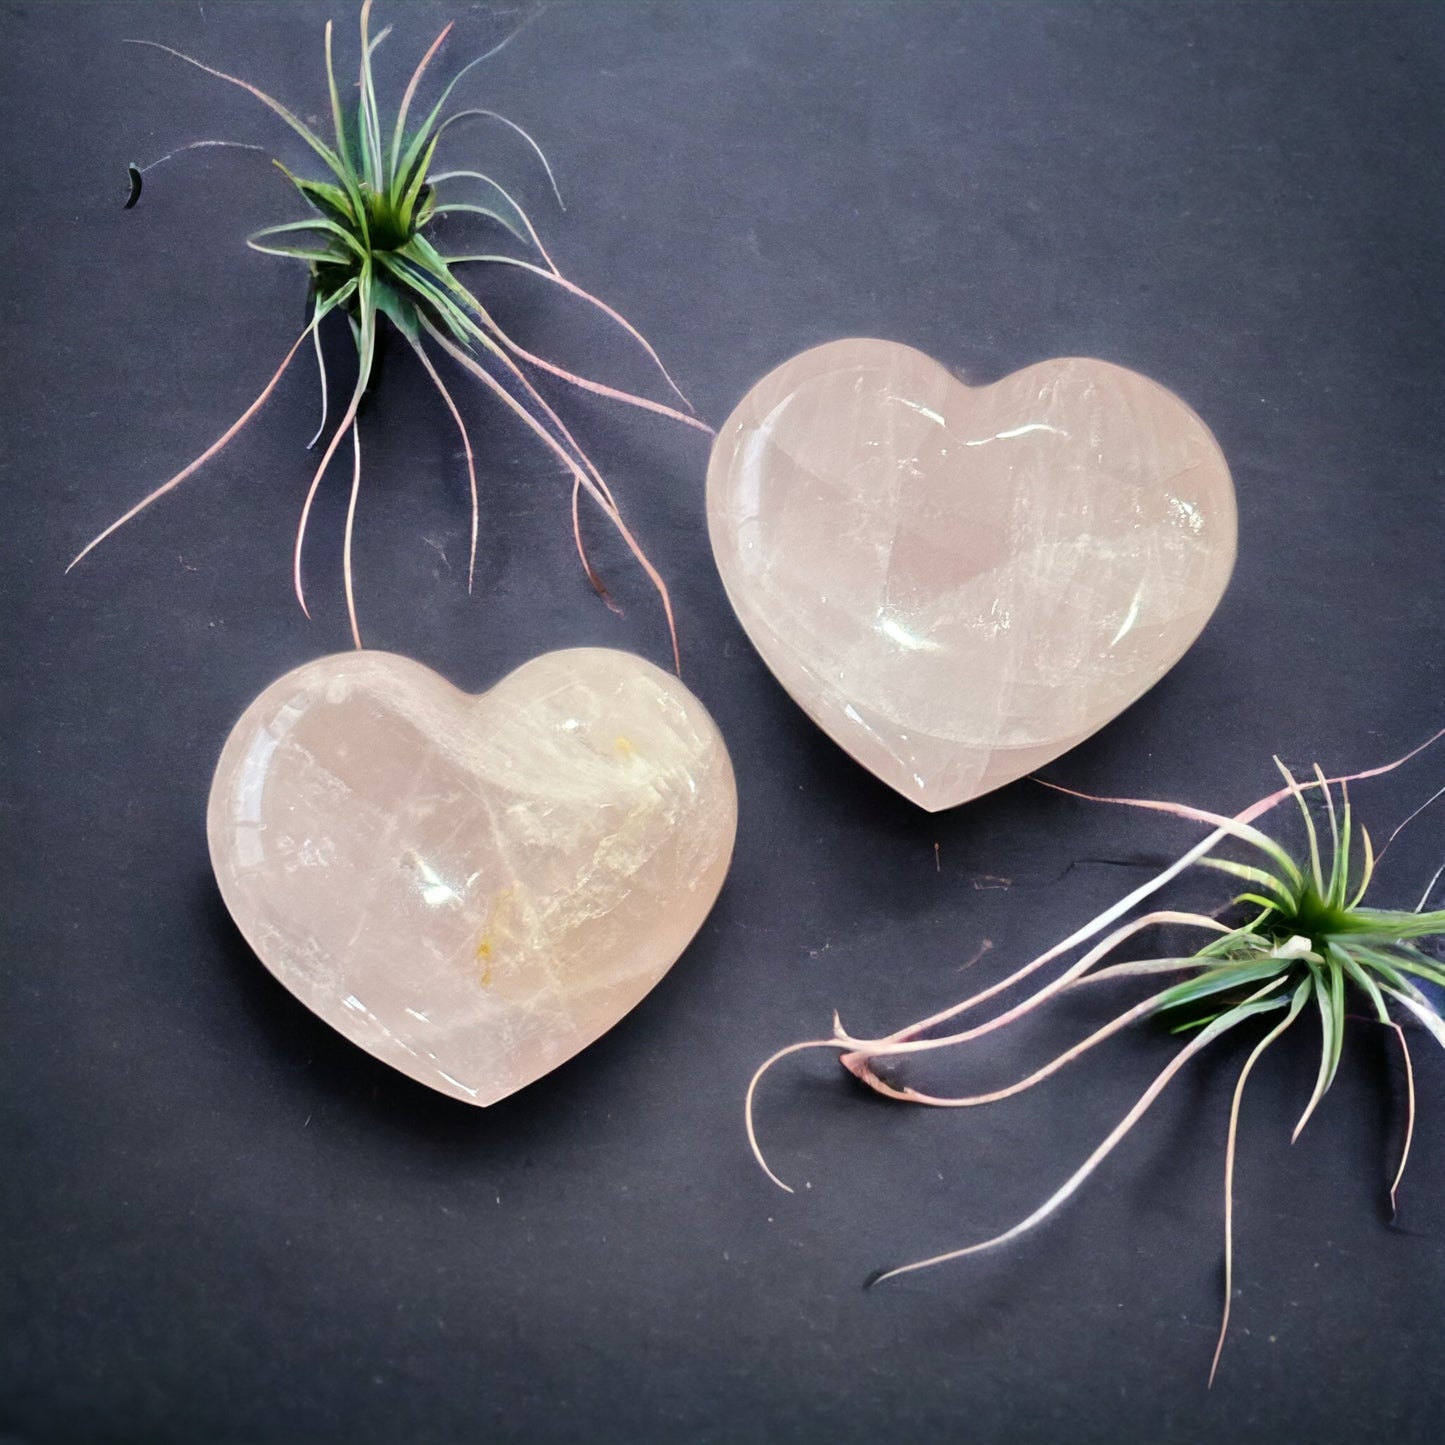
[[1301, 943], [369, 252]]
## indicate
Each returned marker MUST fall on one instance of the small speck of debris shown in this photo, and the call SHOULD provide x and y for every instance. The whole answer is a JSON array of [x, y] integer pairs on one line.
[[937, 860], [982, 949], [989, 880]]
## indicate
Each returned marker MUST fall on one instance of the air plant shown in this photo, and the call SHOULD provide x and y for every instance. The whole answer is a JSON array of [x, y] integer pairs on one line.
[[1302, 943], [368, 250]]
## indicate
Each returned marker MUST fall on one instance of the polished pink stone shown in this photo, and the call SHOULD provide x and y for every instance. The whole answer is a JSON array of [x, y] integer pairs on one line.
[[958, 583], [472, 888]]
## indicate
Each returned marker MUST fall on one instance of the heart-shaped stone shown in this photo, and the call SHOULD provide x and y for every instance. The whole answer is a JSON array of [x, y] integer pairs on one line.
[[959, 584], [472, 888]]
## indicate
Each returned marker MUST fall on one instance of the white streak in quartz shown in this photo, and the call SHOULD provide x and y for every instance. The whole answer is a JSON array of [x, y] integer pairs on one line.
[[1018, 431], [466, 1089], [1130, 617], [472, 888], [922, 410], [956, 617], [891, 627]]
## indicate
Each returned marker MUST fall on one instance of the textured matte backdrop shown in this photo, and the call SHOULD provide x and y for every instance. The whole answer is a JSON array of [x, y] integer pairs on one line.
[[221, 1222]]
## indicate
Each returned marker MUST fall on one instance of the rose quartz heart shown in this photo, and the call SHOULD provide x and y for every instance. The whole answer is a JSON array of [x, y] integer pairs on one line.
[[472, 888], [959, 584]]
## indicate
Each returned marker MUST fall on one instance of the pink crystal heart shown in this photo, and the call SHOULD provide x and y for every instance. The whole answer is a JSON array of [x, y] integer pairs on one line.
[[472, 888], [956, 583]]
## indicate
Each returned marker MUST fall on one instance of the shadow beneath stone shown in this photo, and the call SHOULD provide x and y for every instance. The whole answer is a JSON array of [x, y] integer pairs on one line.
[[300, 1051]]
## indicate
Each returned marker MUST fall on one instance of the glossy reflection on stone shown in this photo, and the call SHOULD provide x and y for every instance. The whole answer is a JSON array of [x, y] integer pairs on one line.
[[959, 584], [472, 888]]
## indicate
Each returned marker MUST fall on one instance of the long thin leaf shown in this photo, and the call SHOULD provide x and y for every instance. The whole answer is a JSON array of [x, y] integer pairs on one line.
[[1340, 870], [197, 145], [338, 120], [366, 107], [907, 1042], [1220, 1025], [446, 396], [1324, 999], [321, 371], [1430, 887], [612, 393], [572, 464], [1301, 995], [750, 1100], [313, 223], [1409, 1118], [1362, 980], [299, 253], [1367, 867], [419, 253], [406, 209], [1337, 1000], [464, 327], [461, 325], [304, 131], [1221, 981], [1410, 818], [211, 450], [613, 515], [858, 1064], [526, 232], [424, 133], [1427, 1015], [334, 202], [559, 280], [366, 355], [1293, 784], [406, 100], [1392, 969], [1250, 874], [367, 116], [1223, 827], [494, 115], [346, 544], [1237, 827], [1140, 968]]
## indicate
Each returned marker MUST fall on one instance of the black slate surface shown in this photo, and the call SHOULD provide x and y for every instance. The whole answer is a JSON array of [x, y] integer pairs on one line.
[[224, 1223]]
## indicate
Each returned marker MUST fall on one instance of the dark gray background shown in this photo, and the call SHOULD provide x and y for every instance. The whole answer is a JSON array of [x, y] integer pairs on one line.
[[224, 1223]]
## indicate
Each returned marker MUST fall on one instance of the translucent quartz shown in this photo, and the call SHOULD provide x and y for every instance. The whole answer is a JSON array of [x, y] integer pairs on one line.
[[472, 888], [960, 584]]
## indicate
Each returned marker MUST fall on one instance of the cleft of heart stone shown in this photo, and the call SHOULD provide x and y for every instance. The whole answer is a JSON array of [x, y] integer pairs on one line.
[[958, 584], [472, 888]]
